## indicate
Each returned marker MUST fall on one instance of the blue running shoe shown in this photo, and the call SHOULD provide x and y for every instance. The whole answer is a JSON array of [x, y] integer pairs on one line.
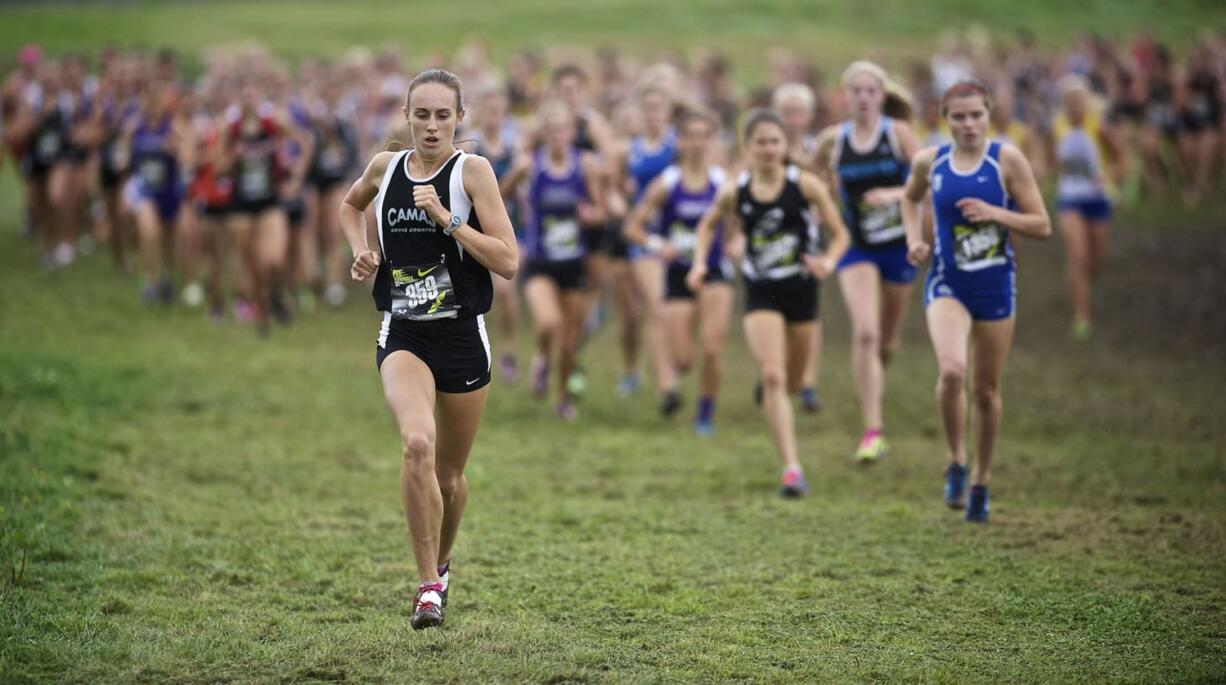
[[810, 401], [955, 486], [977, 507], [704, 427], [628, 385]]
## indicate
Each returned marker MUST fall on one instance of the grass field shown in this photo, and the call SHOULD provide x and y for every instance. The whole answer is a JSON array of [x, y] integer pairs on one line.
[[182, 502]]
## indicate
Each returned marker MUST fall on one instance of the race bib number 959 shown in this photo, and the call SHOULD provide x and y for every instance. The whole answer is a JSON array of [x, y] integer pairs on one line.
[[423, 293]]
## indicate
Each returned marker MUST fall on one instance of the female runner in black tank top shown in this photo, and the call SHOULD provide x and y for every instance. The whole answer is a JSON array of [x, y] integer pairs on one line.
[[774, 205], [866, 159], [442, 229]]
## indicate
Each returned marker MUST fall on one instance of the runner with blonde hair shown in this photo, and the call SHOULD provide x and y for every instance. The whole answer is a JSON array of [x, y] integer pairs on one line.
[[1084, 143], [868, 156]]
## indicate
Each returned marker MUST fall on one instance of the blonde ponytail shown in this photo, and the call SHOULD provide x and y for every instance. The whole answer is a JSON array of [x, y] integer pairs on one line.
[[897, 103]]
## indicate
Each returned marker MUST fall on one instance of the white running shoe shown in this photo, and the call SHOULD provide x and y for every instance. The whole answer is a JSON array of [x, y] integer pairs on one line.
[[193, 295], [427, 606], [65, 254], [335, 295]]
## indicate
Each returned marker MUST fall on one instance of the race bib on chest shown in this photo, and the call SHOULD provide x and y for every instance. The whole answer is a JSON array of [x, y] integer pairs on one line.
[[153, 173], [776, 257], [979, 246], [1077, 167], [48, 145], [562, 239], [423, 293], [881, 224], [254, 181], [331, 159], [683, 240]]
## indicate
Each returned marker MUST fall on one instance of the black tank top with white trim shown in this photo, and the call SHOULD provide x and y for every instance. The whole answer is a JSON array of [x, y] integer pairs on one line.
[[426, 275], [779, 232]]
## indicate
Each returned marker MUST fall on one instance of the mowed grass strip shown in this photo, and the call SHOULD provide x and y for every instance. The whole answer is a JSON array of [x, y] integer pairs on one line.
[[827, 29]]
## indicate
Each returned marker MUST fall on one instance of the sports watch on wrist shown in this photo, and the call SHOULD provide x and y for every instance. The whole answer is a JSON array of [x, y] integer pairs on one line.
[[455, 223]]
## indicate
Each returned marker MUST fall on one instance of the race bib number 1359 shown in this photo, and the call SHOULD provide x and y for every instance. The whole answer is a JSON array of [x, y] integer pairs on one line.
[[979, 246]]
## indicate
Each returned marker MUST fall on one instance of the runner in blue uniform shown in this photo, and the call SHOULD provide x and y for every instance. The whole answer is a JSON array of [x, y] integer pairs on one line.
[[869, 156], [970, 293], [645, 157], [442, 229], [672, 206], [154, 191]]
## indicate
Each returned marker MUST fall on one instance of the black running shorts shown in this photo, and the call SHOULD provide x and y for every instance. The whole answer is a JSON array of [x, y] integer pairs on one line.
[[568, 275], [674, 281], [457, 351], [795, 298]]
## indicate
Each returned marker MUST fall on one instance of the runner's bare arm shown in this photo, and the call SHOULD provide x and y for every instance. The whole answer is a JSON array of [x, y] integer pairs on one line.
[[635, 230], [494, 245], [519, 171], [824, 154], [594, 211], [1031, 219], [818, 195], [353, 216], [914, 193], [704, 234]]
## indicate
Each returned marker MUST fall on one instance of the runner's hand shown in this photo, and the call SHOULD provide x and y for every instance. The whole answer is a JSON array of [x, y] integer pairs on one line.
[[587, 214], [365, 264], [820, 266], [976, 210], [291, 187], [696, 276], [616, 203], [734, 248], [917, 253], [426, 197], [878, 197]]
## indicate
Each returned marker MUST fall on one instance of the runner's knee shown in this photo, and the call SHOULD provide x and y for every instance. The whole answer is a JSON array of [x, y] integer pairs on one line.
[[952, 373], [418, 447]]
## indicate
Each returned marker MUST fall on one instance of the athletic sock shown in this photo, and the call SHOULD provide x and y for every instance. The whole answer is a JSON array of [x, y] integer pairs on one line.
[[706, 409], [443, 570]]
